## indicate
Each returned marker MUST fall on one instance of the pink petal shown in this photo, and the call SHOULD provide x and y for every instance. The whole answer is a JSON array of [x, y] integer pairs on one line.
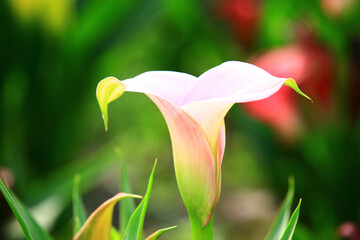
[[220, 154], [193, 160], [168, 85], [210, 116], [233, 82], [221, 142]]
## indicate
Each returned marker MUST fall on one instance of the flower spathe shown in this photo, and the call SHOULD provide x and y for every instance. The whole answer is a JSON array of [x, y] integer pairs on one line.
[[194, 110]]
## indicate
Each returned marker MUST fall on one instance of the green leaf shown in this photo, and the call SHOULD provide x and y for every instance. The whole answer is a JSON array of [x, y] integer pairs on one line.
[[114, 234], [291, 83], [135, 225], [99, 224], [127, 206], [78, 206], [108, 90], [30, 227], [156, 235], [279, 225], [292, 224]]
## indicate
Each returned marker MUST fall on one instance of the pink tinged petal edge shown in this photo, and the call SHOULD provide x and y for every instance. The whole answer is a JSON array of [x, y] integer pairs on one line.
[[211, 118], [221, 142], [220, 155], [193, 160], [98, 225], [233, 81]]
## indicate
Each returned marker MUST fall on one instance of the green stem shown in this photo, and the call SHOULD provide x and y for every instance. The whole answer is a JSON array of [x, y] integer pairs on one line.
[[200, 232]]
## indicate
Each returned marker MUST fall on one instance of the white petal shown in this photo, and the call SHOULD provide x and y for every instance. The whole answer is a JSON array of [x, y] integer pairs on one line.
[[233, 82], [168, 85]]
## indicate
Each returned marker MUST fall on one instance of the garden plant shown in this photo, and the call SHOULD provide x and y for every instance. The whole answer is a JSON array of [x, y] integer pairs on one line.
[[62, 173], [194, 110]]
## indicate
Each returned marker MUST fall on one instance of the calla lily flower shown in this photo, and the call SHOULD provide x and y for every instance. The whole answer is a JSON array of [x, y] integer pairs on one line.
[[194, 110]]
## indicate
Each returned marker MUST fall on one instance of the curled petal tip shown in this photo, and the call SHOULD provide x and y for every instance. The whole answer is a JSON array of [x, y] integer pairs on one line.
[[108, 90], [291, 83], [105, 122]]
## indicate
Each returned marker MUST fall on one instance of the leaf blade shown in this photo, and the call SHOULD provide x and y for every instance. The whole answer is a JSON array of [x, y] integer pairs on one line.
[[135, 225], [127, 206], [289, 231], [78, 206], [281, 220], [30, 227]]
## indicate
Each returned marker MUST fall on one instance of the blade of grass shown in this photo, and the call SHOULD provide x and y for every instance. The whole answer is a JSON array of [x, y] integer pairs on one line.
[[135, 225], [30, 227], [127, 206], [289, 231], [79, 215], [279, 225]]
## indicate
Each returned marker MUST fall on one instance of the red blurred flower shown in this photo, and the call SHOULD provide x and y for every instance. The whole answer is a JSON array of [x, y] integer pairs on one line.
[[349, 230], [311, 66], [243, 15], [279, 111]]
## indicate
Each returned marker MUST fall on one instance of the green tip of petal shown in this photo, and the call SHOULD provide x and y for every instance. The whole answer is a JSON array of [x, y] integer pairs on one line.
[[291, 83], [108, 90]]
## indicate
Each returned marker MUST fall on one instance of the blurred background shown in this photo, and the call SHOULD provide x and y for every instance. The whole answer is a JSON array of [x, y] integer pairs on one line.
[[54, 52]]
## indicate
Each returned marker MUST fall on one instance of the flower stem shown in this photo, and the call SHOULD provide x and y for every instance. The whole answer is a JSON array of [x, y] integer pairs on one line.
[[200, 232]]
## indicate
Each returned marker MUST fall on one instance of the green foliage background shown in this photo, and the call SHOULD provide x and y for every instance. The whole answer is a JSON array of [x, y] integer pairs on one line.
[[54, 54]]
